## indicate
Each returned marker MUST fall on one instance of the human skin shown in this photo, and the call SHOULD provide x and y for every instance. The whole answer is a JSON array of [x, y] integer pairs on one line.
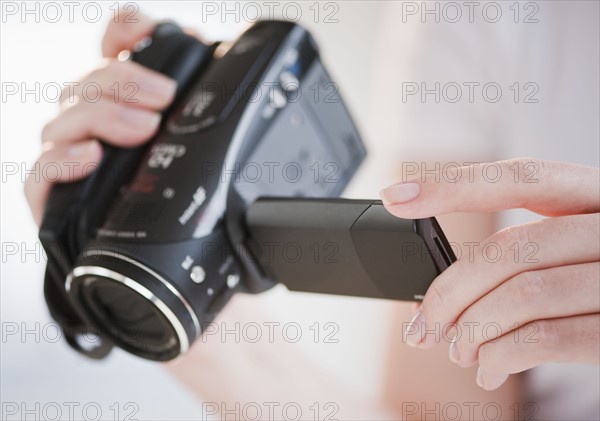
[[221, 372], [548, 307]]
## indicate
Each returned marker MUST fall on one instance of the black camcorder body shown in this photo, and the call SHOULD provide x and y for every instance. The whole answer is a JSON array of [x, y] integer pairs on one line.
[[236, 193]]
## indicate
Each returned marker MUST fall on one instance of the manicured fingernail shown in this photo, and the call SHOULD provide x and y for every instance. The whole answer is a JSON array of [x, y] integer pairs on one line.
[[453, 352], [141, 118], [158, 85], [490, 381], [412, 334], [400, 193], [82, 149]]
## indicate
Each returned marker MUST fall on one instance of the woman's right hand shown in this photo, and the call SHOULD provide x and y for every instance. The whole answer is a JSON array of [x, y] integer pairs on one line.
[[126, 114]]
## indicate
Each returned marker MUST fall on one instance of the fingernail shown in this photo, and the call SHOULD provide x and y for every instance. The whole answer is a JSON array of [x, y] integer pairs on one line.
[[490, 381], [159, 85], [142, 118], [81, 149], [453, 352], [412, 334], [400, 193]]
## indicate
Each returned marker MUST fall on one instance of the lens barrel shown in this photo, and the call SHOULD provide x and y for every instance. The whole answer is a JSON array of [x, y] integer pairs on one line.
[[133, 305]]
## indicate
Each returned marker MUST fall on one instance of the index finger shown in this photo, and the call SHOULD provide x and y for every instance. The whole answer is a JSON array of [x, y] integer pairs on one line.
[[548, 188]]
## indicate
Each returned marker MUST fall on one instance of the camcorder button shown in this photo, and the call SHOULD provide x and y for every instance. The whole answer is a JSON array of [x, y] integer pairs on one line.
[[277, 99], [289, 82], [197, 274]]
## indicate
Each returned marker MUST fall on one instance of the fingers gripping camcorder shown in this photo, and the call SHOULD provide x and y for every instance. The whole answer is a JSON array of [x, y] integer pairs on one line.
[[236, 192]]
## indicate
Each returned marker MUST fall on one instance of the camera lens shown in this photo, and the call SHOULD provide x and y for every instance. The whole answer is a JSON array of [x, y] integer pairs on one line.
[[129, 318], [132, 305]]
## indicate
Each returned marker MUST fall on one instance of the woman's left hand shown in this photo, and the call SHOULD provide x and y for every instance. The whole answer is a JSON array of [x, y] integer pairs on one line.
[[529, 294]]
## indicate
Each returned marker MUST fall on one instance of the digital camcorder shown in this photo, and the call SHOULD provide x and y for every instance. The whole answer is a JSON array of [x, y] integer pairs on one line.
[[237, 192]]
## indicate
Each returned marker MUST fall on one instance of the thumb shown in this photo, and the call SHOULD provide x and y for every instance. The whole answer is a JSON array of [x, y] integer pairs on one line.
[[548, 188]]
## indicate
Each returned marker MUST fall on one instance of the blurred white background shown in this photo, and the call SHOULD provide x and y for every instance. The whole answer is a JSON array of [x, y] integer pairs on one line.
[[372, 49]]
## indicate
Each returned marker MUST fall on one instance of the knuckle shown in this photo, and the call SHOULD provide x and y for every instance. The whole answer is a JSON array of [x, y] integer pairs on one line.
[[103, 109], [504, 240], [80, 109], [590, 333], [129, 72], [29, 181], [144, 133], [531, 286], [97, 114], [509, 236], [96, 74], [48, 130], [548, 332], [592, 223], [504, 236], [66, 94], [114, 70], [124, 76], [27, 188]]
